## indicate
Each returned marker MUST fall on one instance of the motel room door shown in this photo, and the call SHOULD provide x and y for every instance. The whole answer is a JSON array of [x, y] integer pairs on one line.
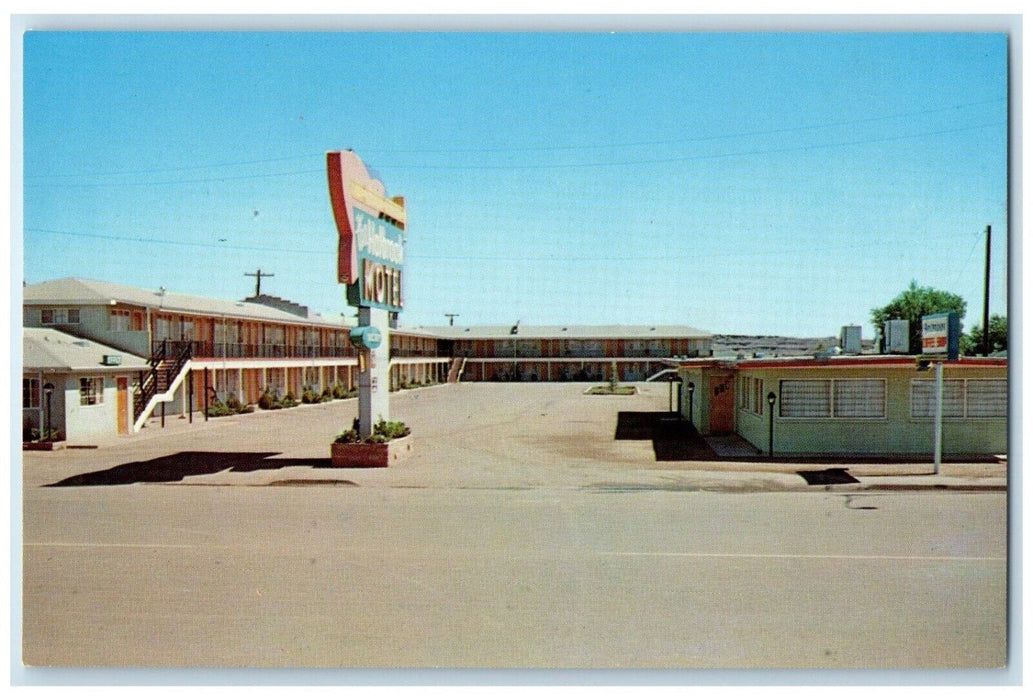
[[122, 404], [722, 402]]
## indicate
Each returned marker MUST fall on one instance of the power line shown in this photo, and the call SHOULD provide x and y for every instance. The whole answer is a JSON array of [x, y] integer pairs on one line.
[[543, 166], [683, 159], [198, 181], [562, 259], [177, 169], [695, 139]]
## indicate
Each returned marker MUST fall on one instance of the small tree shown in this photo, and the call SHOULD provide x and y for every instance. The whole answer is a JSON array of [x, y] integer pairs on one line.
[[914, 303], [972, 343]]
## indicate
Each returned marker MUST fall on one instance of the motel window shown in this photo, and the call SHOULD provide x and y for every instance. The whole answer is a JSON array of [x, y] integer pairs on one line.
[[162, 330], [923, 398], [91, 391], [120, 320], [53, 317], [832, 398], [805, 398], [962, 398], [859, 398], [987, 398], [751, 395], [30, 392]]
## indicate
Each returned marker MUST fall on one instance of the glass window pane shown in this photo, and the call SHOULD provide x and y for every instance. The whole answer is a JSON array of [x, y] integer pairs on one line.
[[860, 398], [987, 398], [805, 399]]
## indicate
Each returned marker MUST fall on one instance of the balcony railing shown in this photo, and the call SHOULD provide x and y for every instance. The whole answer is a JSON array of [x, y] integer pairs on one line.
[[204, 349]]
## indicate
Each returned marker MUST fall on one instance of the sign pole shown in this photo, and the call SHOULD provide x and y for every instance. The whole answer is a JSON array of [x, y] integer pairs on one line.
[[373, 374], [370, 256], [938, 420]]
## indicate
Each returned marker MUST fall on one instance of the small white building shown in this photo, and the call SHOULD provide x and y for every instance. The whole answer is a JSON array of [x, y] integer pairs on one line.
[[90, 387]]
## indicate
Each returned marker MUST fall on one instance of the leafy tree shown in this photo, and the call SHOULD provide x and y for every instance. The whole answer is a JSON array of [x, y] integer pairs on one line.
[[914, 303], [972, 344]]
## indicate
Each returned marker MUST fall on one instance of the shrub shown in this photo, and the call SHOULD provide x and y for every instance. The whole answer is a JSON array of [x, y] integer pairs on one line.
[[288, 400], [268, 402], [309, 396], [30, 434], [231, 407], [383, 431], [217, 409]]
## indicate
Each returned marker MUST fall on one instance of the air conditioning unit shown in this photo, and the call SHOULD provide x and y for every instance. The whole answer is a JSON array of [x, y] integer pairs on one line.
[[895, 337], [850, 339]]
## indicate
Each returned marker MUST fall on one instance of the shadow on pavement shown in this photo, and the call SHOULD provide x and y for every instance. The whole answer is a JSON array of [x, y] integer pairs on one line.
[[674, 438], [176, 467]]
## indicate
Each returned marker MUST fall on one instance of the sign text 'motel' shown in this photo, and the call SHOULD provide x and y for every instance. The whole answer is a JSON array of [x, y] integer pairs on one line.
[[378, 247], [371, 234]]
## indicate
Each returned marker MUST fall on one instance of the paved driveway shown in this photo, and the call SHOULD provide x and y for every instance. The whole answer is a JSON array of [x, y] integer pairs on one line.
[[520, 535]]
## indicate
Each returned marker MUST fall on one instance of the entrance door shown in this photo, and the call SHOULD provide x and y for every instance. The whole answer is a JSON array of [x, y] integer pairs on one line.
[[722, 403], [122, 404]]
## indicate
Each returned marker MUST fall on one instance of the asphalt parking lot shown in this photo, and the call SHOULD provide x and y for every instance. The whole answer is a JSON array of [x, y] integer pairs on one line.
[[521, 534]]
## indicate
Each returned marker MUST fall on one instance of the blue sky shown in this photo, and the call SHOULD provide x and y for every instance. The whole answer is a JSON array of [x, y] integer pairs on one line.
[[742, 183]]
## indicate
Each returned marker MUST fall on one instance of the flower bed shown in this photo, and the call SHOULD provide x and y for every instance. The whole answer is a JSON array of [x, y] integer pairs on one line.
[[389, 443], [42, 446], [370, 454]]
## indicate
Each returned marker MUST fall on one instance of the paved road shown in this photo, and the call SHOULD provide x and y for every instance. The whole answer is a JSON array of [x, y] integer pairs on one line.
[[505, 542]]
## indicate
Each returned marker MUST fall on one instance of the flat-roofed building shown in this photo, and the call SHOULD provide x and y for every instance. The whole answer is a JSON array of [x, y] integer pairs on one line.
[[568, 353], [849, 404]]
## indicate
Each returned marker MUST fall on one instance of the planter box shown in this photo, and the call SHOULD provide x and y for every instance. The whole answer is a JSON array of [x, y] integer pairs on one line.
[[360, 454]]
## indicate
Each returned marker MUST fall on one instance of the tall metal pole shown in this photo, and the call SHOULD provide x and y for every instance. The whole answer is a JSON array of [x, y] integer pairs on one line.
[[986, 298], [938, 420]]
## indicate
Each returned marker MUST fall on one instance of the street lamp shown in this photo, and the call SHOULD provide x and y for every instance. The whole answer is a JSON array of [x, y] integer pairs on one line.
[[692, 389], [48, 390], [771, 424]]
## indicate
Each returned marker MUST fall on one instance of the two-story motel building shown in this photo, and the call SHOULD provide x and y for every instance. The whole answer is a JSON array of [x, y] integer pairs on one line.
[[199, 349]]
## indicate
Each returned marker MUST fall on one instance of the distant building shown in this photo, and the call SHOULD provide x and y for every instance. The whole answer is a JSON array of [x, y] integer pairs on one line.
[[568, 353]]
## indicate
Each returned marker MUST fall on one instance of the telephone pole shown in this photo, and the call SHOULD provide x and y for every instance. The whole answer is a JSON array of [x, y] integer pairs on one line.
[[451, 319], [986, 298], [258, 275]]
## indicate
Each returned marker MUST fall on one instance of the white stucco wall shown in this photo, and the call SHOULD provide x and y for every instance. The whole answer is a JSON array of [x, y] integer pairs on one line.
[[84, 424]]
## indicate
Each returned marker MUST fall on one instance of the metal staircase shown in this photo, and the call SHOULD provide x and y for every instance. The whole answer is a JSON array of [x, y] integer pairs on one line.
[[169, 366], [456, 370]]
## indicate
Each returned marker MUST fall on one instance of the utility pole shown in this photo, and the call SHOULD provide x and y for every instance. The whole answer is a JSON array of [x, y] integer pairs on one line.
[[451, 318], [258, 275], [986, 298]]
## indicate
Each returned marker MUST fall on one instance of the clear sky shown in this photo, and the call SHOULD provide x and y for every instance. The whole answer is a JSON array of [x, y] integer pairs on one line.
[[778, 183]]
